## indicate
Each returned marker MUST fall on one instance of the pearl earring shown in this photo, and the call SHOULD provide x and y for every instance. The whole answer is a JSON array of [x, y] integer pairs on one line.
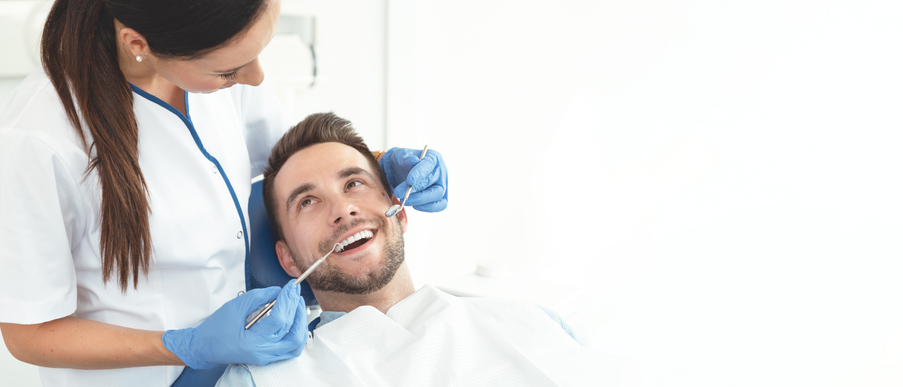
[[139, 58]]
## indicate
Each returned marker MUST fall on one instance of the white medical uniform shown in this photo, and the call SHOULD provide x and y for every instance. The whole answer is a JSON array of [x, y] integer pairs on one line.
[[198, 171]]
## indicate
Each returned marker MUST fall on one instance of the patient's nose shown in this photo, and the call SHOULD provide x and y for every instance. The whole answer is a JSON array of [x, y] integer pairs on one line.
[[346, 210]]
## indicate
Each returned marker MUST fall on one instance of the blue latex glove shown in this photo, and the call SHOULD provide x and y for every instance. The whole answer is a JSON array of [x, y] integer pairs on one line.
[[429, 177], [223, 339]]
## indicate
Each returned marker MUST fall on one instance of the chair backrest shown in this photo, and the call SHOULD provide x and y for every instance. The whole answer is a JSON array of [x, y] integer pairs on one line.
[[262, 267]]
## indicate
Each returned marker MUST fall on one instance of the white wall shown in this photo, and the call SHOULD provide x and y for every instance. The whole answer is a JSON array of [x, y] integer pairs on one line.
[[721, 178], [351, 60]]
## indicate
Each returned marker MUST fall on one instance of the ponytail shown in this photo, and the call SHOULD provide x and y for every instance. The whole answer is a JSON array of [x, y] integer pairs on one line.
[[80, 56]]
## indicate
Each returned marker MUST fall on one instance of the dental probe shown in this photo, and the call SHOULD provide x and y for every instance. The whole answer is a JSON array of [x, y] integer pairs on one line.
[[265, 310], [395, 208]]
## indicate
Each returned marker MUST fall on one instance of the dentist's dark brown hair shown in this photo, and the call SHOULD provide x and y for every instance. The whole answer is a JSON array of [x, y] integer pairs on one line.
[[80, 56]]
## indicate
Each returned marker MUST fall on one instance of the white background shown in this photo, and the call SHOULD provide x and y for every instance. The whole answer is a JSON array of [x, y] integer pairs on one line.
[[709, 191], [722, 178]]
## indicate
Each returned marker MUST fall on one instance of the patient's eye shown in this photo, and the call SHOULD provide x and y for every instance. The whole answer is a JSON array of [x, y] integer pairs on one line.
[[353, 183], [305, 202]]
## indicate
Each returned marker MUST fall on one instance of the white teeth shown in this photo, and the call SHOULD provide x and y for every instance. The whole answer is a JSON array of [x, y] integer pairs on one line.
[[354, 238]]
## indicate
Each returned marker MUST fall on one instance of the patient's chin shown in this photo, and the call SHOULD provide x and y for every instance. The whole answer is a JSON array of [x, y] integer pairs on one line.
[[335, 280]]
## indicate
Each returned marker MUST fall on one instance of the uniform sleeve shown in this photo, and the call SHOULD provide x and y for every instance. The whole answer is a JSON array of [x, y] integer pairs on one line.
[[236, 375], [40, 219], [264, 121]]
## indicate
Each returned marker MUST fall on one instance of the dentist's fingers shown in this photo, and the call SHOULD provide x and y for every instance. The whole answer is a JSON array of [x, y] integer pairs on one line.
[[277, 324], [433, 199], [428, 178], [433, 207], [292, 348], [426, 172]]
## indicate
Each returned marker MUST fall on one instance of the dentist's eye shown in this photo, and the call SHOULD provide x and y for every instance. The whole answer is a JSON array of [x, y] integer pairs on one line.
[[229, 76], [305, 203]]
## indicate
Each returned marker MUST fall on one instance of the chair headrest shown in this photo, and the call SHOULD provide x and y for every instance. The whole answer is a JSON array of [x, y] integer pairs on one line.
[[262, 268]]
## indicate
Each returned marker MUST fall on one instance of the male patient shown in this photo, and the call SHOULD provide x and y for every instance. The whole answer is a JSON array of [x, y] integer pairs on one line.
[[323, 187]]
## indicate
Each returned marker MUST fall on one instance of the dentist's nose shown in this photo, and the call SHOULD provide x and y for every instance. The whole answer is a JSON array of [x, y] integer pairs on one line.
[[252, 74]]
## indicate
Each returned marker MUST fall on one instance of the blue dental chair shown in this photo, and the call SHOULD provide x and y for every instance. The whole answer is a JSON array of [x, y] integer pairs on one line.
[[262, 270]]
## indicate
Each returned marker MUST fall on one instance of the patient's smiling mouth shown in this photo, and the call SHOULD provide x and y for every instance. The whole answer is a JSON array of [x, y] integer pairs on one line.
[[355, 241]]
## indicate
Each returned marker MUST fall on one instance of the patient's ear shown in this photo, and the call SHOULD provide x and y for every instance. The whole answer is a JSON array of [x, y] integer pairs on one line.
[[402, 216], [285, 259]]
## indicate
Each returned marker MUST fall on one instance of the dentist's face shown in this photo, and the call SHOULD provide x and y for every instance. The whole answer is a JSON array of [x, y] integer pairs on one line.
[[328, 194], [235, 63]]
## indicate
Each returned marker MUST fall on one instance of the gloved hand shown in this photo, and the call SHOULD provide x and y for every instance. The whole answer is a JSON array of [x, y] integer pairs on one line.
[[429, 177], [223, 339]]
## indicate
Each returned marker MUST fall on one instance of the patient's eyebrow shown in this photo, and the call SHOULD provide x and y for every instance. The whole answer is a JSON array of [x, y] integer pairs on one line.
[[298, 191], [351, 171]]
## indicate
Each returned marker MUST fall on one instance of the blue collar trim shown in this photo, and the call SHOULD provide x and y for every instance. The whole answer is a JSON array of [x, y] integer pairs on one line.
[[186, 118]]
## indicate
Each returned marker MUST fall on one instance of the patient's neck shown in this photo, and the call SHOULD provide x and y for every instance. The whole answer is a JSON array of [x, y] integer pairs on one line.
[[396, 290]]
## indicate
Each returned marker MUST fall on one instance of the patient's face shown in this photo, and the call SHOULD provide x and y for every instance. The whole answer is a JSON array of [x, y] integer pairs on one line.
[[327, 194]]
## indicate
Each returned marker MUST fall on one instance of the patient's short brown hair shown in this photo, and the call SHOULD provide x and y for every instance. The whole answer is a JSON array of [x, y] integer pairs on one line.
[[315, 129]]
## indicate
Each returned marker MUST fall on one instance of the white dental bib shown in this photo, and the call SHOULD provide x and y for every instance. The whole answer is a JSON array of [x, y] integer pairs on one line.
[[432, 338]]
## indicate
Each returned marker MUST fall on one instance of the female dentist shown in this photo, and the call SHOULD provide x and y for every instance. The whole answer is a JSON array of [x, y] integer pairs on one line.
[[125, 171]]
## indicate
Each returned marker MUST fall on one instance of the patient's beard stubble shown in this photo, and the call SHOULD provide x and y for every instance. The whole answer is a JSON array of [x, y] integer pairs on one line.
[[329, 277]]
